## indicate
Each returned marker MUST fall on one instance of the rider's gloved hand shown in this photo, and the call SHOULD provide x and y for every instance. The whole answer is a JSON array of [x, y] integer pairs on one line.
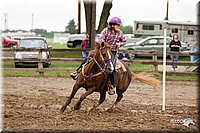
[[118, 44]]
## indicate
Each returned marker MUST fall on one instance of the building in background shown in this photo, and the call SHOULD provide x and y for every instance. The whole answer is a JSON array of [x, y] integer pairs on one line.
[[19, 34], [60, 38]]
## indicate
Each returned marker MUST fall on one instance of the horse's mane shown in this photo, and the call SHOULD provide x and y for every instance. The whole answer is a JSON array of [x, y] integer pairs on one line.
[[95, 50]]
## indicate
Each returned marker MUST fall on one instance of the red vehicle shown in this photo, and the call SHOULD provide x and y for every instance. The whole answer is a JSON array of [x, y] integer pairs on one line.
[[7, 42]]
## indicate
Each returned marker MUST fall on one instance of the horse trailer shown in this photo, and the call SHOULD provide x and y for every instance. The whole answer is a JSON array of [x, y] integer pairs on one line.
[[187, 31]]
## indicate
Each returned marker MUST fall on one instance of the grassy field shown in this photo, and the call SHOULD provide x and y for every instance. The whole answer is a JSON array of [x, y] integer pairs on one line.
[[66, 75], [64, 54], [67, 55], [36, 74], [58, 46], [74, 65]]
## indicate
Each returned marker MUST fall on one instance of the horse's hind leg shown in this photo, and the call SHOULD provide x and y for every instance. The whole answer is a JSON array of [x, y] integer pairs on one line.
[[83, 96], [75, 89]]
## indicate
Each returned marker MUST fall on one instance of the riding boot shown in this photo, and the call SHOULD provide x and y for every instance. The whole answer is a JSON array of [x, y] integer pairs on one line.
[[75, 73]]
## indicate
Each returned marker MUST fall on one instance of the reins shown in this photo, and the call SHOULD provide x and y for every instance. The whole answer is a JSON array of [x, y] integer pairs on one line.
[[92, 75]]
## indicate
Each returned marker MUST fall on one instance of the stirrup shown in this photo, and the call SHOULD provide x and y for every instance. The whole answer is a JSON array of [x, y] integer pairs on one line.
[[74, 75], [111, 90]]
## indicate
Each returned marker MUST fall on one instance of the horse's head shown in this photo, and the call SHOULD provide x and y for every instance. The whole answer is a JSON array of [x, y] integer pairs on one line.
[[105, 56]]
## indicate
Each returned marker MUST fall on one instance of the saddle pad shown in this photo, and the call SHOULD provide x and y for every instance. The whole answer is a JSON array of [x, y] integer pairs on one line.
[[119, 65]]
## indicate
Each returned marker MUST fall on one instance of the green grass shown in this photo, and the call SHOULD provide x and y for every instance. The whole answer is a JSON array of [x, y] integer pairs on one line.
[[65, 65], [8, 64], [58, 46], [66, 75], [75, 65], [66, 55], [133, 67], [180, 78], [36, 74], [141, 67]]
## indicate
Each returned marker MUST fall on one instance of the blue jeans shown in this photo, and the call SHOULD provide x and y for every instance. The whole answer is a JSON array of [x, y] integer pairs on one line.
[[174, 58], [113, 60], [84, 54]]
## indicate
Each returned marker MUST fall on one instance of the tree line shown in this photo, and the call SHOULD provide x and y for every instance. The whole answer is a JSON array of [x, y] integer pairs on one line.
[[72, 28]]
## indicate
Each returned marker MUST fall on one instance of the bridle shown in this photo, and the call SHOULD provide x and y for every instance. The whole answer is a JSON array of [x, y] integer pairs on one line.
[[101, 66]]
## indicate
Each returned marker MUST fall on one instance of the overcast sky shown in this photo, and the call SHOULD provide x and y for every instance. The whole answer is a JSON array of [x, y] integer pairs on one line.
[[54, 15]]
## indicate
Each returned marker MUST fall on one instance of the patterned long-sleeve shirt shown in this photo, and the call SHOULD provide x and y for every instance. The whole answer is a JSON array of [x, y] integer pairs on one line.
[[112, 37]]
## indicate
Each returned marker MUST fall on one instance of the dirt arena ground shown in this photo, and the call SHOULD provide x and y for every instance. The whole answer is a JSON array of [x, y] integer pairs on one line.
[[34, 103]]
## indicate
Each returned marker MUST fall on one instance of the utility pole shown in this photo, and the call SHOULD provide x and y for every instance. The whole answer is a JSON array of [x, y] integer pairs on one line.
[[79, 17], [32, 16], [6, 21], [92, 30], [167, 11]]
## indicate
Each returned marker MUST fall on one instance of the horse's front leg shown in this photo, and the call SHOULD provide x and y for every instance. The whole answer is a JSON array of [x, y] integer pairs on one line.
[[75, 89], [83, 96], [119, 97], [101, 99]]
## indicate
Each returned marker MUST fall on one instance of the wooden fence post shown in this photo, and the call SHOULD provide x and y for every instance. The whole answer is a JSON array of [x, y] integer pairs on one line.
[[155, 60], [40, 65]]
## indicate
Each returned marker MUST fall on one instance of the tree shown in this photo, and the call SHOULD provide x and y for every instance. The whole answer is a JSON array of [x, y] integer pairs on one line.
[[43, 32], [127, 29], [71, 27], [104, 14]]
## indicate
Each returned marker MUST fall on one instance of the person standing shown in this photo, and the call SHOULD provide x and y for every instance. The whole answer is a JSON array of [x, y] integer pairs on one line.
[[174, 46], [83, 46]]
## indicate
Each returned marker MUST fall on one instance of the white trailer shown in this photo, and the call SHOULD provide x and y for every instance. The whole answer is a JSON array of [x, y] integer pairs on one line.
[[187, 31]]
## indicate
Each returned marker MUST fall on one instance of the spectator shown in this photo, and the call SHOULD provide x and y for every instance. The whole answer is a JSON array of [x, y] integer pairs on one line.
[[174, 46], [123, 55], [84, 45]]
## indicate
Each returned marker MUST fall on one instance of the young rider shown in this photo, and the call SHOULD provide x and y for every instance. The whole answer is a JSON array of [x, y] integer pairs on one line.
[[114, 37]]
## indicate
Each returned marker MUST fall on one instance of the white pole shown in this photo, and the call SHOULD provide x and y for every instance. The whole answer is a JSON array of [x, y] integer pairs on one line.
[[164, 67], [32, 21]]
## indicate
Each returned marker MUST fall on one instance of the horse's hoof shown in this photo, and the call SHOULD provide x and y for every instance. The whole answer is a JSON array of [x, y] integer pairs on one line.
[[77, 107], [61, 112], [110, 110]]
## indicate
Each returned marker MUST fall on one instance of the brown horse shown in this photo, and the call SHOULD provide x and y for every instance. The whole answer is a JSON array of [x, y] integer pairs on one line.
[[94, 78]]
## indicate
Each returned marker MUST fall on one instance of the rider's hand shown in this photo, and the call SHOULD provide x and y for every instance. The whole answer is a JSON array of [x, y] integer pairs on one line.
[[118, 45]]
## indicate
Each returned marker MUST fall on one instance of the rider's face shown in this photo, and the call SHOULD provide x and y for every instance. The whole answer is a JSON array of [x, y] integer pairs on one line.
[[117, 27]]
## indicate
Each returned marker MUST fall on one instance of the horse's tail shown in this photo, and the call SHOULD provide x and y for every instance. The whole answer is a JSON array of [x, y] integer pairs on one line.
[[147, 79]]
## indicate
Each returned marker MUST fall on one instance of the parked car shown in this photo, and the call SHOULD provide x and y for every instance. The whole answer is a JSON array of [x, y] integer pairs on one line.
[[153, 43], [30, 58], [19, 38], [75, 40], [7, 42]]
